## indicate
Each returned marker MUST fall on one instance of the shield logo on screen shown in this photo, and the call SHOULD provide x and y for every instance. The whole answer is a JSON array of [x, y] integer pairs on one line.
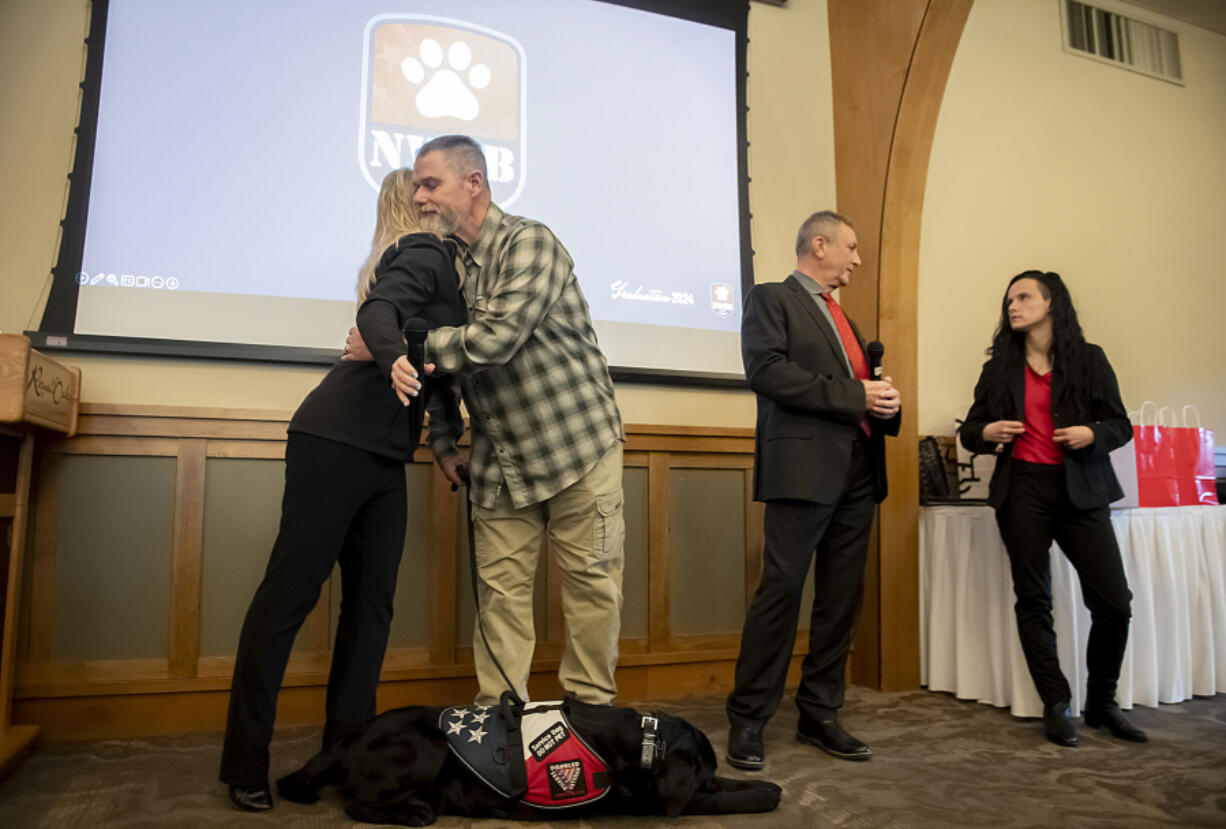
[[429, 76], [721, 299]]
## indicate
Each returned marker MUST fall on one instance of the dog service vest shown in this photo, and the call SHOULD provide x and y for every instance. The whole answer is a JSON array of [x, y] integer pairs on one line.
[[562, 770]]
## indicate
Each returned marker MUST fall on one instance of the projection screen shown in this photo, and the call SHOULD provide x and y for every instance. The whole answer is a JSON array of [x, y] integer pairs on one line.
[[223, 194]]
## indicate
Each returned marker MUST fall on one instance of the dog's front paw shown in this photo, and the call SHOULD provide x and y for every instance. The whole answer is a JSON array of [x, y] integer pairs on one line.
[[413, 813], [726, 796], [421, 816], [765, 796]]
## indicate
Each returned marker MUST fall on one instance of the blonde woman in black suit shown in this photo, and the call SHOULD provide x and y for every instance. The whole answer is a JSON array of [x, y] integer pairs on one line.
[[344, 500]]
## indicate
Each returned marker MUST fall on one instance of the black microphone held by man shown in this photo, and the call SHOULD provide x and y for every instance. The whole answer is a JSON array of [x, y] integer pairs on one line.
[[875, 352]]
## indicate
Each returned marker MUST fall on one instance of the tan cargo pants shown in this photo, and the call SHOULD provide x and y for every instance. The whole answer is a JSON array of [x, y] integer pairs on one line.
[[587, 535]]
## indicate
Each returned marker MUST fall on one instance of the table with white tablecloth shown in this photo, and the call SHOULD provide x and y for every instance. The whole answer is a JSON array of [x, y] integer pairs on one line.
[[1175, 560]]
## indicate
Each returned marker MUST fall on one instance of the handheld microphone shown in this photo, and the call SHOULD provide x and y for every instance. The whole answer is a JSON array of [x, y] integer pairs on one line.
[[875, 351], [415, 331]]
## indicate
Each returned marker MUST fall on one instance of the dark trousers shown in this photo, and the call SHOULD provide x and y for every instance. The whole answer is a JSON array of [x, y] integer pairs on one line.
[[835, 538], [1035, 512], [344, 505]]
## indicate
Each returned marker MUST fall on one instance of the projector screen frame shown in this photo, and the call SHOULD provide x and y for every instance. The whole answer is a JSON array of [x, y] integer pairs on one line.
[[56, 329]]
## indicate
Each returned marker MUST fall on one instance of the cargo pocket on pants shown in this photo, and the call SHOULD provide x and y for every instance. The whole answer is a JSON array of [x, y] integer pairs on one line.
[[610, 527]]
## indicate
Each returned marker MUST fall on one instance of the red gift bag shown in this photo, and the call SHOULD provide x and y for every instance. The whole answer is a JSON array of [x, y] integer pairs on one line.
[[1174, 463], [1193, 449], [1156, 480]]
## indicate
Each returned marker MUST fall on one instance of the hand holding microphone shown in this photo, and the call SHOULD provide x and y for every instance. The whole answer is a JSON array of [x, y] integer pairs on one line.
[[407, 369], [881, 399], [415, 332]]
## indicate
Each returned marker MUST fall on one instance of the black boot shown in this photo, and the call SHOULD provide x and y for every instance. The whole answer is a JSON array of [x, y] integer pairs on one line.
[[830, 737], [251, 798], [1058, 724], [745, 750], [1113, 718]]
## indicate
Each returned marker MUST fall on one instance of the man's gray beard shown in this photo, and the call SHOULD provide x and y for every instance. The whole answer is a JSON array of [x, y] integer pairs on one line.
[[440, 224]]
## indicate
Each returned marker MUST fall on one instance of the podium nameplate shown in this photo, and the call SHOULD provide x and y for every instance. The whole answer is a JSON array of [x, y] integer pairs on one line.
[[36, 389]]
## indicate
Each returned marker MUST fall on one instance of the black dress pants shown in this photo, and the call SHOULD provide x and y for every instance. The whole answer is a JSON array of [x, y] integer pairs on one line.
[[341, 504], [835, 538], [1036, 511]]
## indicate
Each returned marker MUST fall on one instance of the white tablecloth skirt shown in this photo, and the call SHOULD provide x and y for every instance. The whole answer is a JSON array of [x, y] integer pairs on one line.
[[1175, 560]]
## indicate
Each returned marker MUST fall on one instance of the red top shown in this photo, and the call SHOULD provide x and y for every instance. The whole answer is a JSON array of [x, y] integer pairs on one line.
[[1035, 445]]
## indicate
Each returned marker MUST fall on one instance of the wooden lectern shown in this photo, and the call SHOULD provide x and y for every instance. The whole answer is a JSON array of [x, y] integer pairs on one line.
[[35, 391]]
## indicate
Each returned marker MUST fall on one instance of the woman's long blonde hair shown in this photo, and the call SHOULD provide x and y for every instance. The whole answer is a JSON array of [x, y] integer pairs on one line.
[[396, 215]]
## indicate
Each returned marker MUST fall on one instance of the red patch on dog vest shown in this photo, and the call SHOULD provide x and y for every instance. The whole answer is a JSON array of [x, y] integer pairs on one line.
[[562, 770]]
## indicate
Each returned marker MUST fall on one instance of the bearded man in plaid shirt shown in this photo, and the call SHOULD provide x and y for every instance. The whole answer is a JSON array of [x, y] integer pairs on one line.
[[546, 432]]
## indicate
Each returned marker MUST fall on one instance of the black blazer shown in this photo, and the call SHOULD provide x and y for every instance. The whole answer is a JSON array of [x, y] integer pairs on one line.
[[1088, 473], [354, 403], [809, 405]]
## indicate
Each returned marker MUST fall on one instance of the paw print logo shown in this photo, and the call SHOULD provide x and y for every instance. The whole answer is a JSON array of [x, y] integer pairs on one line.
[[446, 86], [426, 76]]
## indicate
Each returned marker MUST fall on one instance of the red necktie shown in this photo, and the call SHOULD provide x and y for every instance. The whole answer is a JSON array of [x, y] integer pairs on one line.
[[851, 345]]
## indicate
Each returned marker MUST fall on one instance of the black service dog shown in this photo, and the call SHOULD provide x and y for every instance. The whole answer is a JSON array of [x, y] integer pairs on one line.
[[398, 769]]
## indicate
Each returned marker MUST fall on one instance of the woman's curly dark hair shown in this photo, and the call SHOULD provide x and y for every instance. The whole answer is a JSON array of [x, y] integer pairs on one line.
[[1070, 355]]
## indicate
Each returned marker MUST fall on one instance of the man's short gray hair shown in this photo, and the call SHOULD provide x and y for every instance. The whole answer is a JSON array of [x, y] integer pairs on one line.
[[824, 223], [463, 154]]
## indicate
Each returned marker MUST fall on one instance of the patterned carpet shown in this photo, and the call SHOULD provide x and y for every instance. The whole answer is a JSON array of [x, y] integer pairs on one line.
[[939, 762]]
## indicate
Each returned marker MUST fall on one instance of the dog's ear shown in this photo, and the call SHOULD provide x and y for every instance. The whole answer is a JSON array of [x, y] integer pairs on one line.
[[687, 766], [677, 784]]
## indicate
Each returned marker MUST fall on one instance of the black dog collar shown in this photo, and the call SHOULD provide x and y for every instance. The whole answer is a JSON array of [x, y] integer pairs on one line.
[[652, 746]]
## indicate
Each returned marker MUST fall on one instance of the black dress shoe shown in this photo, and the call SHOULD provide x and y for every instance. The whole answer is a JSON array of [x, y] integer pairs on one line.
[[1113, 718], [1058, 725], [745, 749], [830, 737], [251, 798]]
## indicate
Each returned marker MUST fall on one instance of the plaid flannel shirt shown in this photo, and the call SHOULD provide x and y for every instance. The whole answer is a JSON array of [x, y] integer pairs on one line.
[[537, 387]]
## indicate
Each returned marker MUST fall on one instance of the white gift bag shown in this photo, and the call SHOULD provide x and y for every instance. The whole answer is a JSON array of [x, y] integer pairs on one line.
[[1124, 462]]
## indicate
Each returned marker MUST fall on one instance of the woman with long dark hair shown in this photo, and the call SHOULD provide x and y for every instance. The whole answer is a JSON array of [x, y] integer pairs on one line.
[[344, 499], [1048, 402]]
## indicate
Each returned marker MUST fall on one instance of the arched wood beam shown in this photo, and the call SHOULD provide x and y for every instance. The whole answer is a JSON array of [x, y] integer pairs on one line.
[[890, 62]]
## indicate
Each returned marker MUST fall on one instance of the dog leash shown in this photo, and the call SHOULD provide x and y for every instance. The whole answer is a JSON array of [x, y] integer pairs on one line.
[[511, 706], [472, 564], [415, 331]]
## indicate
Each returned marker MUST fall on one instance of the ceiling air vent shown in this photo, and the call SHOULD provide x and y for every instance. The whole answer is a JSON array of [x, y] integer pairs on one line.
[[1122, 41]]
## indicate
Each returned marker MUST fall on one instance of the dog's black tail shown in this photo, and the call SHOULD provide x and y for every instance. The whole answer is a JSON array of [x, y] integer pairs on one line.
[[324, 769]]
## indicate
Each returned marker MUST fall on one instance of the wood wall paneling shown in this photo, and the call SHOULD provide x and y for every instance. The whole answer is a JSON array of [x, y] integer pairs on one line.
[[220, 476], [15, 740], [38, 595], [659, 553], [242, 497], [186, 559], [115, 541], [441, 576], [411, 619], [707, 557], [635, 583]]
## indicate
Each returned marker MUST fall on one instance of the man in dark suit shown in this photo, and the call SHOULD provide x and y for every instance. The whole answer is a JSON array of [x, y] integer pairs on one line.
[[819, 465]]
